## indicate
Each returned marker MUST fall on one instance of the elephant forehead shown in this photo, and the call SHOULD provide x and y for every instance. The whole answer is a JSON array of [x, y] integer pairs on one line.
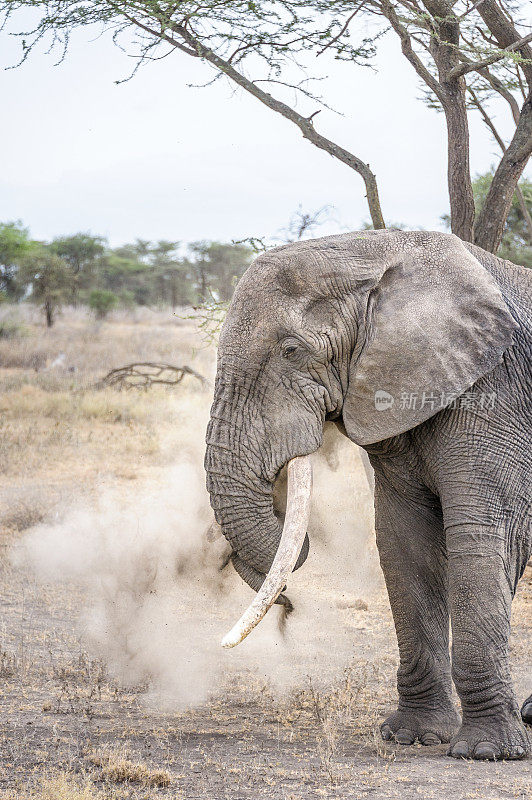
[[280, 284], [256, 319], [323, 267]]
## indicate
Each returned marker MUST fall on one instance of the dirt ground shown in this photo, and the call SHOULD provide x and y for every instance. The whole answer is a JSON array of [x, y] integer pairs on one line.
[[292, 717]]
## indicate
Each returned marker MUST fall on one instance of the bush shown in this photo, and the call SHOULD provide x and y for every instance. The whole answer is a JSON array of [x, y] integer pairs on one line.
[[12, 329], [102, 301], [127, 299]]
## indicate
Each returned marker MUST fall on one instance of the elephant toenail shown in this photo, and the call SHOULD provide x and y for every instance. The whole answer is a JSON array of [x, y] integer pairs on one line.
[[386, 733], [486, 750], [526, 713], [404, 736], [518, 752], [459, 750], [430, 738]]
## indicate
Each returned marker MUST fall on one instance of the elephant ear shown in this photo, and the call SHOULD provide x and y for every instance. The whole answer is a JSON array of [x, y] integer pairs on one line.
[[436, 322]]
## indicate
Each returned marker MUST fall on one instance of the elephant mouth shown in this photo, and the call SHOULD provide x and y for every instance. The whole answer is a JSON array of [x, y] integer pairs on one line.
[[294, 529]]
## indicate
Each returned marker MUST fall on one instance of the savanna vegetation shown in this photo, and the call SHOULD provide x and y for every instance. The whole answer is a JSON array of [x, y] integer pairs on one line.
[[83, 270]]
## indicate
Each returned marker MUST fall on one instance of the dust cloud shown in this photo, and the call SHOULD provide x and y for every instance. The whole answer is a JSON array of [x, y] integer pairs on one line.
[[156, 603]]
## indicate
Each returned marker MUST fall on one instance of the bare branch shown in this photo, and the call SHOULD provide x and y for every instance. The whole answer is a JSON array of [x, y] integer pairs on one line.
[[143, 374], [303, 123], [345, 26], [501, 89], [408, 51], [469, 10], [487, 119]]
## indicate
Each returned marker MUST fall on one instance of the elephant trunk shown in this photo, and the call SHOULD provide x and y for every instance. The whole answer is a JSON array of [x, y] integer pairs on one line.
[[242, 497]]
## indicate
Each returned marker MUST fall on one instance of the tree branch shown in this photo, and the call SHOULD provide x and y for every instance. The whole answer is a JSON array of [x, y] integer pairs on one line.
[[345, 26], [501, 89], [465, 67], [490, 222], [304, 124], [505, 33], [408, 51]]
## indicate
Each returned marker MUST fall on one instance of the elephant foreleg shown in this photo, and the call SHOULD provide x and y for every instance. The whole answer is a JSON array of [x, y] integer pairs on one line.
[[411, 543], [480, 590]]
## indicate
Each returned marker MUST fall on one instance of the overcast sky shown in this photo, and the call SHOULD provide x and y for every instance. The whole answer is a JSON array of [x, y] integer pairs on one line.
[[155, 159]]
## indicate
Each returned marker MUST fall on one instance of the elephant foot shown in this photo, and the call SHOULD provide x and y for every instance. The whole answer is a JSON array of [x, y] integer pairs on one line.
[[526, 711], [427, 726], [491, 740]]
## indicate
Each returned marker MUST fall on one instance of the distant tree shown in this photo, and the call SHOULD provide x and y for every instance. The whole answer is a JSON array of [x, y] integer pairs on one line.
[[15, 244], [102, 302], [49, 279], [216, 268], [80, 252], [121, 270], [172, 273]]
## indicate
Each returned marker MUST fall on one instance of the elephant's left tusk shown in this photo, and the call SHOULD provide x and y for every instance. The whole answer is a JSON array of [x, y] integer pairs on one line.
[[292, 538]]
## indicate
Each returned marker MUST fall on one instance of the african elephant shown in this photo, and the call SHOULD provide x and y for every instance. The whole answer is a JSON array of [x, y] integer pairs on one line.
[[419, 346]]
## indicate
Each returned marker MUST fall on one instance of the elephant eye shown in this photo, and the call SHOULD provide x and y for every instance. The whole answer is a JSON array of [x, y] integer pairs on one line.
[[289, 348]]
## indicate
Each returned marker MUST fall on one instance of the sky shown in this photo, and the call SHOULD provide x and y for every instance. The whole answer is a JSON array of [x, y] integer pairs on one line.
[[154, 158]]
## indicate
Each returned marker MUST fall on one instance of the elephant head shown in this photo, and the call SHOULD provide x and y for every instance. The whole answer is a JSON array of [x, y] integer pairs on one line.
[[336, 328]]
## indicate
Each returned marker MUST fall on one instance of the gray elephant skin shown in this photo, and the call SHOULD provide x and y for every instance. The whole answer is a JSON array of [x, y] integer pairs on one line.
[[419, 347]]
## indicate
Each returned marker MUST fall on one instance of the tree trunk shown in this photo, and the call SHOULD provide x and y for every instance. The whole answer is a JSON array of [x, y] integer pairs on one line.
[[49, 312], [461, 198], [491, 221], [451, 92]]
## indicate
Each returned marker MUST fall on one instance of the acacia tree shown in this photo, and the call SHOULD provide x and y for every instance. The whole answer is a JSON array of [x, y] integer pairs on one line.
[[15, 244], [215, 267], [49, 279], [464, 51], [81, 252]]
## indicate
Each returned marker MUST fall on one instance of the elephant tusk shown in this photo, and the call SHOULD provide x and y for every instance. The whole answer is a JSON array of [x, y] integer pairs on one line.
[[292, 538]]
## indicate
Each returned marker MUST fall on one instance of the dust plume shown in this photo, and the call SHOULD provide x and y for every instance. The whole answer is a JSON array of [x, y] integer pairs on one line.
[[156, 602]]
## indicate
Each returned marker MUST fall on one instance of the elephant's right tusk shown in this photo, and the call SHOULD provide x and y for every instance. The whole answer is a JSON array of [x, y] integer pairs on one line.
[[292, 538]]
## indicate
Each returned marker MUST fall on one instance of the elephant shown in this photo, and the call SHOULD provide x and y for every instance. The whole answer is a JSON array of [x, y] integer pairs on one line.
[[419, 347]]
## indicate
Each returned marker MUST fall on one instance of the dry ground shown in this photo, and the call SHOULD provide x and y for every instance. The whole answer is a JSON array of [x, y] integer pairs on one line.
[[72, 729]]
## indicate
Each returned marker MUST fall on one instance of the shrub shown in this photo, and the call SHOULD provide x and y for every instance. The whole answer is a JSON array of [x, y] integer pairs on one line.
[[102, 301], [12, 328]]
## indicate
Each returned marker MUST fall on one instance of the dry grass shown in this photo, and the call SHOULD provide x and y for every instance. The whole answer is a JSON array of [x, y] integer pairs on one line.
[[78, 349], [116, 768], [60, 787], [59, 433]]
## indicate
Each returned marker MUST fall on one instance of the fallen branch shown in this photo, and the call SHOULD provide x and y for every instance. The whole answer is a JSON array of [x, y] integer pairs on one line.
[[143, 374]]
